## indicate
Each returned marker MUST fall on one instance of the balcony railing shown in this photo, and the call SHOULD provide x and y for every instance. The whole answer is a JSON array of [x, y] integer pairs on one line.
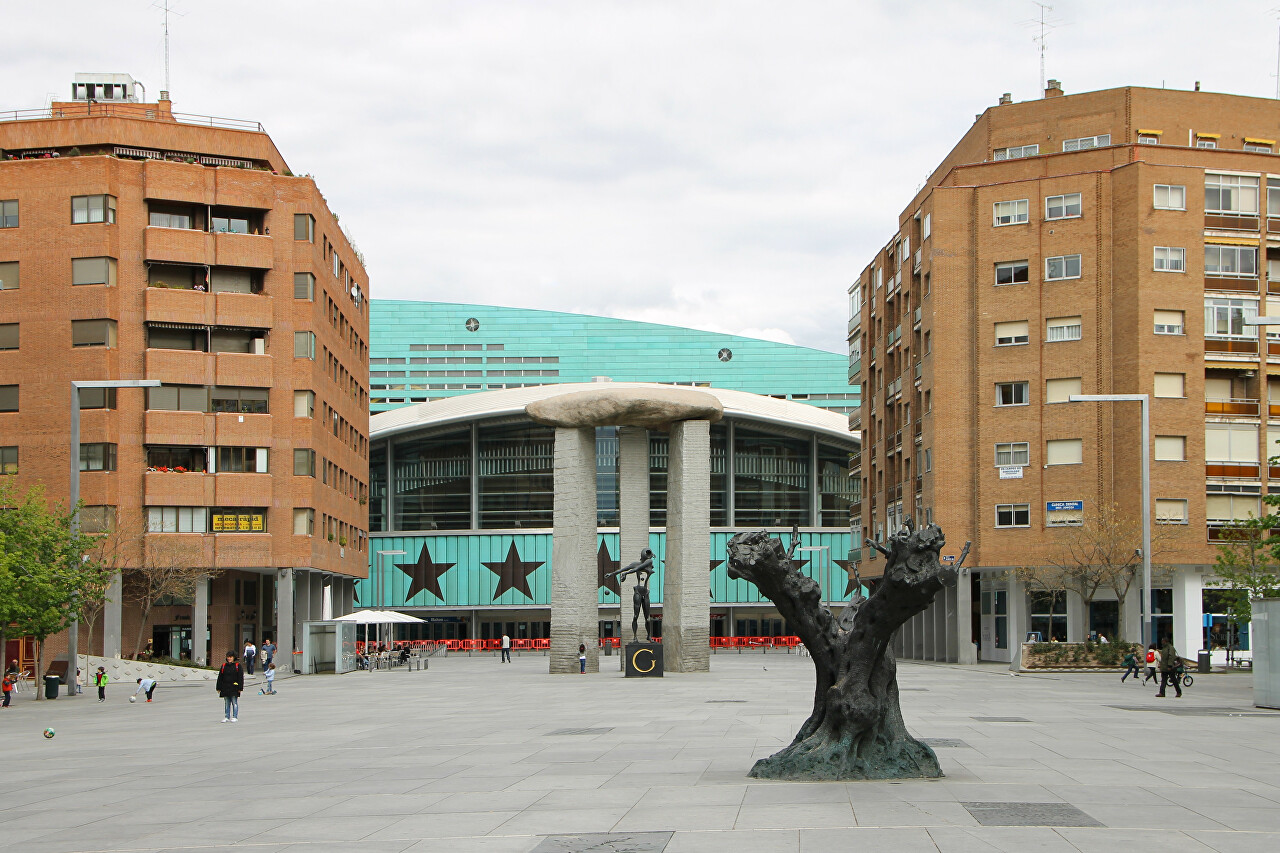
[[135, 111], [1227, 221], [1232, 469], [1231, 345], [1232, 406], [1244, 285]]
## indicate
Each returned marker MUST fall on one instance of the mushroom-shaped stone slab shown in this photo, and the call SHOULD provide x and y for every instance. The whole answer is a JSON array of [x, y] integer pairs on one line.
[[651, 408]]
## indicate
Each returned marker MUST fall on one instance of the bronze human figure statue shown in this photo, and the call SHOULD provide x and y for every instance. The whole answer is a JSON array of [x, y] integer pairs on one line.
[[643, 569]]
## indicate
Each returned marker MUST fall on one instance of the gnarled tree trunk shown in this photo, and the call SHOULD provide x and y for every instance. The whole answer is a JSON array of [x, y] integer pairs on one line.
[[856, 729]]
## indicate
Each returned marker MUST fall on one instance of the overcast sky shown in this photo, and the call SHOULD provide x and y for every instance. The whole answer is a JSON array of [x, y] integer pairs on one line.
[[724, 165]]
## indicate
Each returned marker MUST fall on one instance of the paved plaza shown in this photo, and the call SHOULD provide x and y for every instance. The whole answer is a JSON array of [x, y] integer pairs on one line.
[[474, 755]]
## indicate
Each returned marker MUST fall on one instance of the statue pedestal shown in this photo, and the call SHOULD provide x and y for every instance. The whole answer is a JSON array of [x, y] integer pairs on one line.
[[643, 660]]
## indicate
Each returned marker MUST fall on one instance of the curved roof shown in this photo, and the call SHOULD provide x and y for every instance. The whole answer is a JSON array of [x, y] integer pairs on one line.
[[512, 401]]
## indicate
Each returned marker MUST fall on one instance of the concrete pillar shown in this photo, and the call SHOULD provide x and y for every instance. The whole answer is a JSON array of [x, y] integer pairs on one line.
[[315, 595], [686, 597], [1017, 622], [1077, 619], [200, 622], [633, 493], [1188, 611], [111, 620], [573, 551], [1131, 615], [284, 619], [966, 651]]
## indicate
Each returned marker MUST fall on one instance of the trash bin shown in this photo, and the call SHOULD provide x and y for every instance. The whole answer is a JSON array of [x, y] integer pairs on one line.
[[51, 685], [1202, 661]]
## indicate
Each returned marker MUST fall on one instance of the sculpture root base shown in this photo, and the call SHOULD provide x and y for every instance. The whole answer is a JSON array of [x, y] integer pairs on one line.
[[818, 760]]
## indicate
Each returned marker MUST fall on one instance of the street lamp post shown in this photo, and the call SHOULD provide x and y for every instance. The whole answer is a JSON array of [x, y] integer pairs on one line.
[[382, 599], [73, 496], [1145, 400]]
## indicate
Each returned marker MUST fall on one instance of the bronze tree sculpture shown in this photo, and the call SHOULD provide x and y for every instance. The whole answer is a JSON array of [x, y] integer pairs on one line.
[[856, 729]]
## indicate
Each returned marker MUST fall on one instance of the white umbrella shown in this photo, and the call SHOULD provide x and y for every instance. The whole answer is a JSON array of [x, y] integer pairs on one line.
[[379, 618]]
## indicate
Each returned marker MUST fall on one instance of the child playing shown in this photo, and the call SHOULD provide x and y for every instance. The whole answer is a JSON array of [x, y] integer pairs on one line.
[[8, 689], [100, 678], [270, 673]]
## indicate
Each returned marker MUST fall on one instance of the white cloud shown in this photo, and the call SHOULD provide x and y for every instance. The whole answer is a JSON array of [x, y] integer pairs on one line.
[[728, 165]]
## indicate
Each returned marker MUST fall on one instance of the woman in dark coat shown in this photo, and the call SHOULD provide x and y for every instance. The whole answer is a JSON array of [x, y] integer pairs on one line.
[[230, 683]]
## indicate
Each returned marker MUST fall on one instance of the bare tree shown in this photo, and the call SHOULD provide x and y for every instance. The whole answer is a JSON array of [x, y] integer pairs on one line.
[[118, 550], [172, 569]]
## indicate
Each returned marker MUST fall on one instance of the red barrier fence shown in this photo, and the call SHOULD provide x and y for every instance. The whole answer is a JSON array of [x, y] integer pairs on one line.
[[544, 644]]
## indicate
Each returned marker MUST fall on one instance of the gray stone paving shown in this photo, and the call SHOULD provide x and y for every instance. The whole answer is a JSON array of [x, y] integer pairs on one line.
[[474, 755]]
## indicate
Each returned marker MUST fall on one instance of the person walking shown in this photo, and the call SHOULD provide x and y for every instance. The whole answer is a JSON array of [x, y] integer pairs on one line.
[[1130, 668], [1170, 664], [582, 658], [1153, 663], [250, 655], [147, 686], [7, 685], [100, 679], [270, 673], [506, 649], [230, 683], [268, 653]]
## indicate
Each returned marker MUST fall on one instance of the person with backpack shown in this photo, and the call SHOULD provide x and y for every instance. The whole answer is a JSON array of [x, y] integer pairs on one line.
[[1153, 663], [1130, 667], [230, 683], [1170, 668]]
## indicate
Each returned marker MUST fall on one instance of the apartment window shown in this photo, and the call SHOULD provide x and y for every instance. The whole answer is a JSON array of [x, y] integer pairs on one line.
[[1229, 318], [1171, 511], [1170, 385], [1013, 272], [97, 457], [9, 275], [242, 460], [1064, 451], [1171, 448], [1169, 322], [1011, 212], [926, 227], [97, 519], [93, 271], [8, 336], [1257, 147], [1013, 152], [928, 459], [304, 286], [239, 401], [1206, 142], [304, 345], [178, 398], [93, 333], [1148, 138], [187, 459], [1061, 267], [1170, 197], [1013, 453], [1060, 390], [304, 462], [1221, 509], [9, 213], [304, 227], [1013, 515], [1231, 443], [177, 276], [161, 215], [238, 520], [1011, 333], [1085, 142], [97, 398], [1062, 329], [337, 265], [1170, 259], [1011, 394], [8, 460], [1230, 194], [93, 208], [304, 404], [177, 519], [1062, 206], [1231, 261], [304, 521]]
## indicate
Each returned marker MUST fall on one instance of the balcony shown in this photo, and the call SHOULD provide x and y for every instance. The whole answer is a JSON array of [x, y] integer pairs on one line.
[[243, 369], [247, 310], [233, 489], [189, 429], [180, 367], [1240, 407], [1238, 285], [245, 188], [1228, 221], [915, 318], [915, 264], [1246, 470], [1231, 346], [245, 250], [169, 488], [234, 430], [169, 305], [178, 245], [855, 322], [168, 181]]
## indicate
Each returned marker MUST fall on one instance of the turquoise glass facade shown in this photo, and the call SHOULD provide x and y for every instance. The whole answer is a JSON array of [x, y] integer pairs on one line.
[[422, 351]]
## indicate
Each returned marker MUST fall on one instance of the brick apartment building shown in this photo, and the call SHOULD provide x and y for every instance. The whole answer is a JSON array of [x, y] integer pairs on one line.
[[1112, 242], [141, 244]]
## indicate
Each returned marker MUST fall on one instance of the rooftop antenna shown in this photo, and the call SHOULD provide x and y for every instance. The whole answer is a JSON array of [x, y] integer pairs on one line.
[[1046, 24], [166, 7], [1276, 11]]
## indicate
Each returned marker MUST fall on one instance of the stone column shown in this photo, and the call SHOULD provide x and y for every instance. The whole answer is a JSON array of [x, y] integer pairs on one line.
[[1131, 617], [200, 622], [284, 619], [686, 597], [574, 600], [1077, 619], [633, 496], [966, 651], [111, 620], [1188, 611], [1017, 621]]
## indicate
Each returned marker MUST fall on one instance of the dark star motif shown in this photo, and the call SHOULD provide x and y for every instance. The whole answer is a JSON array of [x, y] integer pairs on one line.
[[424, 575], [797, 565], [355, 593], [513, 573], [604, 565], [849, 586], [715, 563]]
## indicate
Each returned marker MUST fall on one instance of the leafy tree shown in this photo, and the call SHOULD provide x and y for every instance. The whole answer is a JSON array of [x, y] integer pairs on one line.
[[1247, 564], [172, 570], [51, 577]]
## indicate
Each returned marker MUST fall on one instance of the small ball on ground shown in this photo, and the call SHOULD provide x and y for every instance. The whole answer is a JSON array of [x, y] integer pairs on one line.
[[49, 733], [133, 698]]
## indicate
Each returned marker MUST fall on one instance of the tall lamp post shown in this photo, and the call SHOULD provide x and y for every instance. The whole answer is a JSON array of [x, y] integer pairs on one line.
[[1145, 400], [73, 496], [382, 599]]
